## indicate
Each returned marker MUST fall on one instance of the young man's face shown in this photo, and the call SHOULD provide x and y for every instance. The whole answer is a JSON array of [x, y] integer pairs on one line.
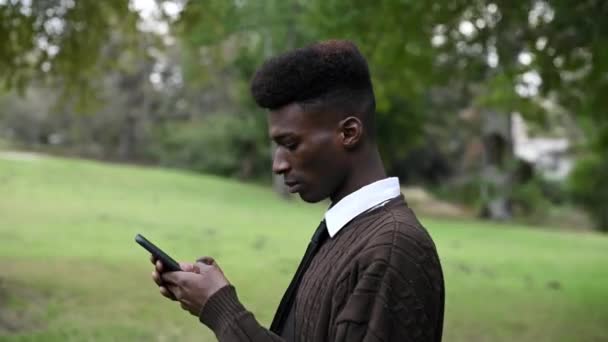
[[309, 153]]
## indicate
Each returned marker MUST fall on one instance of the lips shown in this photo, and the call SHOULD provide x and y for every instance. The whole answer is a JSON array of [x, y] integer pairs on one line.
[[292, 186]]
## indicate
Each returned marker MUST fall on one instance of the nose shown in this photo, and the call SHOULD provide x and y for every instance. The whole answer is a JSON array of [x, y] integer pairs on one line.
[[280, 165]]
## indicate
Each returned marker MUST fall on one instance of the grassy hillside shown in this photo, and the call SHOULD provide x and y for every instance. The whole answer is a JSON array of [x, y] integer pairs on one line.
[[71, 271]]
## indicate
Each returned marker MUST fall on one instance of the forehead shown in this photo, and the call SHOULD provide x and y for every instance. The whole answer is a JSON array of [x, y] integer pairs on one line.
[[290, 119]]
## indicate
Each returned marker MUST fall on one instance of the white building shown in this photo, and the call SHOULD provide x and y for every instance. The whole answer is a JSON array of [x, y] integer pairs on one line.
[[548, 155]]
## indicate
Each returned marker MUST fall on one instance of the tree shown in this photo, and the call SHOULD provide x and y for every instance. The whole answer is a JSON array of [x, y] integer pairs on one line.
[[231, 39], [494, 55], [61, 41]]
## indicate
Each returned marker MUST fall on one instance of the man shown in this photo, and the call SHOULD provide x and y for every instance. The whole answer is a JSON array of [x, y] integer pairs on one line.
[[371, 272]]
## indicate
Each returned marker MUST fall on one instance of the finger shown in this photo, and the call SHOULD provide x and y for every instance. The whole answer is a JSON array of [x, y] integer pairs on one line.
[[176, 291], [157, 279], [159, 266], [166, 293], [173, 278], [184, 305], [153, 259]]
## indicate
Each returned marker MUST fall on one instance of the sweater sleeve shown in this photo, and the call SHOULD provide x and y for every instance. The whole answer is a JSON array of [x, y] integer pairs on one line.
[[231, 322], [396, 296]]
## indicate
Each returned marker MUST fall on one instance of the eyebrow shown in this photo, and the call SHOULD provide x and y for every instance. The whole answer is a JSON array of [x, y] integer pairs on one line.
[[282, 135]]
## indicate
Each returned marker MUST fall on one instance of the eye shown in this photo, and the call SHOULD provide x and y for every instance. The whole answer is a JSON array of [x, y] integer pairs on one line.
[[291, 145], [289, 142]]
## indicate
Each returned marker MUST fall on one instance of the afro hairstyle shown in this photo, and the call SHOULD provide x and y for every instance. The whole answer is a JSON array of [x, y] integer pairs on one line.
[[330, 75]]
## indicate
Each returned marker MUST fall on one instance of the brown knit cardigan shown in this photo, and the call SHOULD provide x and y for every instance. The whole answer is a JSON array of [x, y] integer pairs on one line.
[[378, 279]]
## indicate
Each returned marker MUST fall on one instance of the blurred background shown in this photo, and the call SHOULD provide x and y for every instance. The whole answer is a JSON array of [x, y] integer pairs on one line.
[[120, 117]]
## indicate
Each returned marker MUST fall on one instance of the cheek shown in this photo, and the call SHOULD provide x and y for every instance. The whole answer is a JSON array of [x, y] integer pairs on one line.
[[322, 157]]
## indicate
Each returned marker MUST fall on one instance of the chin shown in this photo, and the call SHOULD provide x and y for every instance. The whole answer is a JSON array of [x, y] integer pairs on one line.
[[311, 198]]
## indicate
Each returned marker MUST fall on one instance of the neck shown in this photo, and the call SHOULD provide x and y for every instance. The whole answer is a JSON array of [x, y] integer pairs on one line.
[[369, 169]]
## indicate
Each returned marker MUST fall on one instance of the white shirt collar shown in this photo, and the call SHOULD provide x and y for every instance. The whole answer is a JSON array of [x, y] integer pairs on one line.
[[360, 201]]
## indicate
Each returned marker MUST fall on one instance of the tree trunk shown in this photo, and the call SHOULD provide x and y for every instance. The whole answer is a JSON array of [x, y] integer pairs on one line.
[[495, 191], [128, 139]]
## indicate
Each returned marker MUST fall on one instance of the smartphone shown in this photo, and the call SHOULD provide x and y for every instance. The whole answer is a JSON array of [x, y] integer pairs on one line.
[[169, 264]]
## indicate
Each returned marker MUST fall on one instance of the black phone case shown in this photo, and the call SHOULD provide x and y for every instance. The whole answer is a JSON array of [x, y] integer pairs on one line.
[[169, 264]]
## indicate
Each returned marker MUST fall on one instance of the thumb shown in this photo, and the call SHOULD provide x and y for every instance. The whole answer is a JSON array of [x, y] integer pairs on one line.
[[187, 267], [201, 267], [206, 260]]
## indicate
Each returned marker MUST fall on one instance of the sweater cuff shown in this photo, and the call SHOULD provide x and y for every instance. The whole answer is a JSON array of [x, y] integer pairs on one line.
[[222, 308]]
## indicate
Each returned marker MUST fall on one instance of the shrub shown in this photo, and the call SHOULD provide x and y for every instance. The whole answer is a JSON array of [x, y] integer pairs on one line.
[[530, 201], [588, 187], [227, 145]]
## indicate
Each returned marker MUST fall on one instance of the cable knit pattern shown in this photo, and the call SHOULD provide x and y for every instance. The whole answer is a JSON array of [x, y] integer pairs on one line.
[[379, 279]]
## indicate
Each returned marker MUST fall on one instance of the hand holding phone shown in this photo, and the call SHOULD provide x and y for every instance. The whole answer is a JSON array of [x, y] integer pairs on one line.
[[169, 264]]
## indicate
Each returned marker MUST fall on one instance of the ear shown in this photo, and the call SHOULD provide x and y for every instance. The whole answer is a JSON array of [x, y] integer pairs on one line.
[[351, 131]]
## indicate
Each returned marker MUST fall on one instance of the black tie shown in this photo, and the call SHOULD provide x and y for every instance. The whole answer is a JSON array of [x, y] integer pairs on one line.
[[288, 298]]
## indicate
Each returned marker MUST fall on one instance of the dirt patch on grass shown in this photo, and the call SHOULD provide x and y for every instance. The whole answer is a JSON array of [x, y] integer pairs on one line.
[[19, 306], [424, 203], [20, 156]]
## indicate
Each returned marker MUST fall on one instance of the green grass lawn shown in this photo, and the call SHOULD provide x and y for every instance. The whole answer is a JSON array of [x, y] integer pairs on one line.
[[71, 270]]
